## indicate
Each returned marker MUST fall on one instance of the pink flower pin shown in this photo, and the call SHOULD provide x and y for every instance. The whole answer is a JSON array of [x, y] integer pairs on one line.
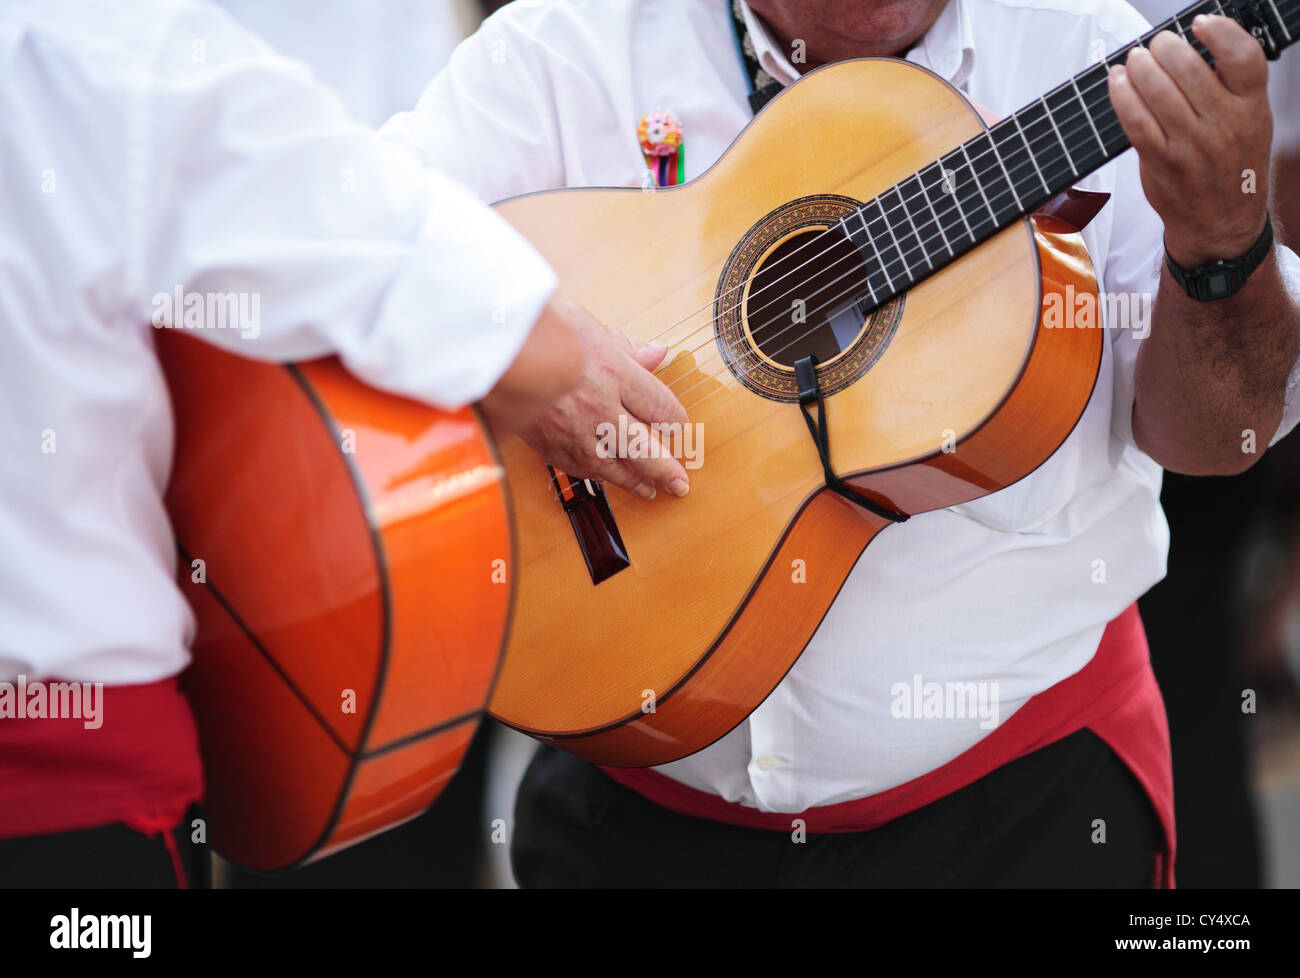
[[659, 133]]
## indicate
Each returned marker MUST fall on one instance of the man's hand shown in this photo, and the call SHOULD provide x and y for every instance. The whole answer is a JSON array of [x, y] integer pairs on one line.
[[616, 380], [1196, 130]]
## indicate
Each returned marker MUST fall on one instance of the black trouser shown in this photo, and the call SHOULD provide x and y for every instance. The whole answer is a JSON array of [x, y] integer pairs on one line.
[[1027, 824], [108, 856]]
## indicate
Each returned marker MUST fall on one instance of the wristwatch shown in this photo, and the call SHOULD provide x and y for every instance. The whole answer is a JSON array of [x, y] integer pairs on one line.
[[1224, 277]]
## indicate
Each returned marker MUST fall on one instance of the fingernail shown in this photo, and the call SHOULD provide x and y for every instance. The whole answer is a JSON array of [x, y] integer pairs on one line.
[[645, 491], [679, 487]]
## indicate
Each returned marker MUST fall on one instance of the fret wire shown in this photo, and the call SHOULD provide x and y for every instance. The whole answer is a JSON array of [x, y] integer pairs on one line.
[[1049, 117], [1036, 131], [937, 223], [1096, 92], [1280, 22], [1110, 124], [844, 229], [1092, 123], [1059, 138], [956, 200], [978, 186], [889, 227], [998, 156], [907, 213], [1079, 95], [919, 223], [872, 238], [994, 225], [1030, 151], [1013, 152], [903, 253]]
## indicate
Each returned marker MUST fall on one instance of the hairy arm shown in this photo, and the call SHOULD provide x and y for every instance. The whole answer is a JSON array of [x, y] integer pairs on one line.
[[1211, 378]]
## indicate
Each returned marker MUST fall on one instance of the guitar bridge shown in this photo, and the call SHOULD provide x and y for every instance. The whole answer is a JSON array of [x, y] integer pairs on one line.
[[593, 524]]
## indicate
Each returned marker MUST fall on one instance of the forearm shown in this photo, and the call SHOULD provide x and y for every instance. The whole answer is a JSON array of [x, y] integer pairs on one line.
[[1211, 378]]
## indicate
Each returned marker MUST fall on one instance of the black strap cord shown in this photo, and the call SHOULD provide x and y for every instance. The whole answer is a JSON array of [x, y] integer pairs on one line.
[[762, 90], [762, 87], [810, 393]]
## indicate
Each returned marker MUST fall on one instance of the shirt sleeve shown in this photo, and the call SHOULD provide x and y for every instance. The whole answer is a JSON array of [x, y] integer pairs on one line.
[[485, 119], [249, 178]]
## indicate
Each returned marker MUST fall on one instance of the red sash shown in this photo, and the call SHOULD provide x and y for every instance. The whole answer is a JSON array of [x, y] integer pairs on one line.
[[1114, 695], [140, 766]]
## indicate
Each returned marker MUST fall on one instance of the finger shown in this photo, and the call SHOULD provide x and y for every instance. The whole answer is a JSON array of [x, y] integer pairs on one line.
[[1141, 127], [1194, 78], [654, 461], [617, 472], [1238, 58], [1160, 93], [648, 355], [646, 397]]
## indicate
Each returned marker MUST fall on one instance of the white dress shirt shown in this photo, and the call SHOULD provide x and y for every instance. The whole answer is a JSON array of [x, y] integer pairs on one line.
[[1013, 589], [152, 146]]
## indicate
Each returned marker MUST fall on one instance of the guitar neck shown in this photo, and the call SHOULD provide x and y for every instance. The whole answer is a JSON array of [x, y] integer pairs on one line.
[[995, 179]]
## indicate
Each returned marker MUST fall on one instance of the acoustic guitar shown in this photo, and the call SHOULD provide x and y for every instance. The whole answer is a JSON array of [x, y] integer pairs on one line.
[[346, 554], [853, 303]]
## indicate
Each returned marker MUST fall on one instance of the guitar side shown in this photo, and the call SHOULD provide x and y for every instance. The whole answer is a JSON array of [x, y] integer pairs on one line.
[[350, 616]]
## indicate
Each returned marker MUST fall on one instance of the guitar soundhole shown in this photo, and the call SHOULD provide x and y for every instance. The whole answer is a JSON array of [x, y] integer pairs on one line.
[[792, 287], [804, 299]]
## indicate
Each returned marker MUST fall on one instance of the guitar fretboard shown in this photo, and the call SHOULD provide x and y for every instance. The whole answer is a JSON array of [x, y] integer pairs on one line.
[[1020, 163]]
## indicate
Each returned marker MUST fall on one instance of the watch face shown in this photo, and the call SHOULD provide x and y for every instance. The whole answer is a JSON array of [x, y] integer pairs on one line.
[[1218, 284]]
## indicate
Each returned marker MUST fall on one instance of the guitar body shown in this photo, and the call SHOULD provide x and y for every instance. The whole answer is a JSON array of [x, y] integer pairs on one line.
[[723, 589], [350, 613]]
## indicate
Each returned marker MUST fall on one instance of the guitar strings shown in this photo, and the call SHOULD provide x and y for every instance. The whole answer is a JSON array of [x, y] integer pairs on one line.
[[930, 239], [1070, 126], [1072, 130], [902, 255], [746, 353]]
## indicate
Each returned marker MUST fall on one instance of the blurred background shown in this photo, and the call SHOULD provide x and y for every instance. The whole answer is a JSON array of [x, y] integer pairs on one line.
[[1224, 626]]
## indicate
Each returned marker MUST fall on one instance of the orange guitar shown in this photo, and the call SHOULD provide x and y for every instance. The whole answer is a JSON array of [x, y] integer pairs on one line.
[[347, 555], [853, 303]]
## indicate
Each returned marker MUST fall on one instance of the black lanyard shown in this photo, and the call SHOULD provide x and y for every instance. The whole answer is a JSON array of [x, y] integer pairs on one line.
[[762, 86]]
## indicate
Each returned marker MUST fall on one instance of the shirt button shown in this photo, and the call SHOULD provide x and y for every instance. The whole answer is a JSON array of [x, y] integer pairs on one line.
[[766, 762]]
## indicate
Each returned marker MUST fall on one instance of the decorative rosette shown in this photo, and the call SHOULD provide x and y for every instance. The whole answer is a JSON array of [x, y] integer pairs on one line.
[[659, 133]]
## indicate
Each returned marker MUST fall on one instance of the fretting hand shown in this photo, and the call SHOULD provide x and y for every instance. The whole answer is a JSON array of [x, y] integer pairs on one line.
[[1202, 136]]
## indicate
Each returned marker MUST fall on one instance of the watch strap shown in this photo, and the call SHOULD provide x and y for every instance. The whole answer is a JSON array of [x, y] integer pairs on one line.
[[1224, 277]]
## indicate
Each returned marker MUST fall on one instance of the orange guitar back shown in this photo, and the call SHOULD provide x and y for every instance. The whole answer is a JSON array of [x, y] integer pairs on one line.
[[347, 555]]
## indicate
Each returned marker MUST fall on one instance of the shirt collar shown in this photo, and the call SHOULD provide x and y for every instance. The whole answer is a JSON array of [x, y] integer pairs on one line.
[[947, 48]]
